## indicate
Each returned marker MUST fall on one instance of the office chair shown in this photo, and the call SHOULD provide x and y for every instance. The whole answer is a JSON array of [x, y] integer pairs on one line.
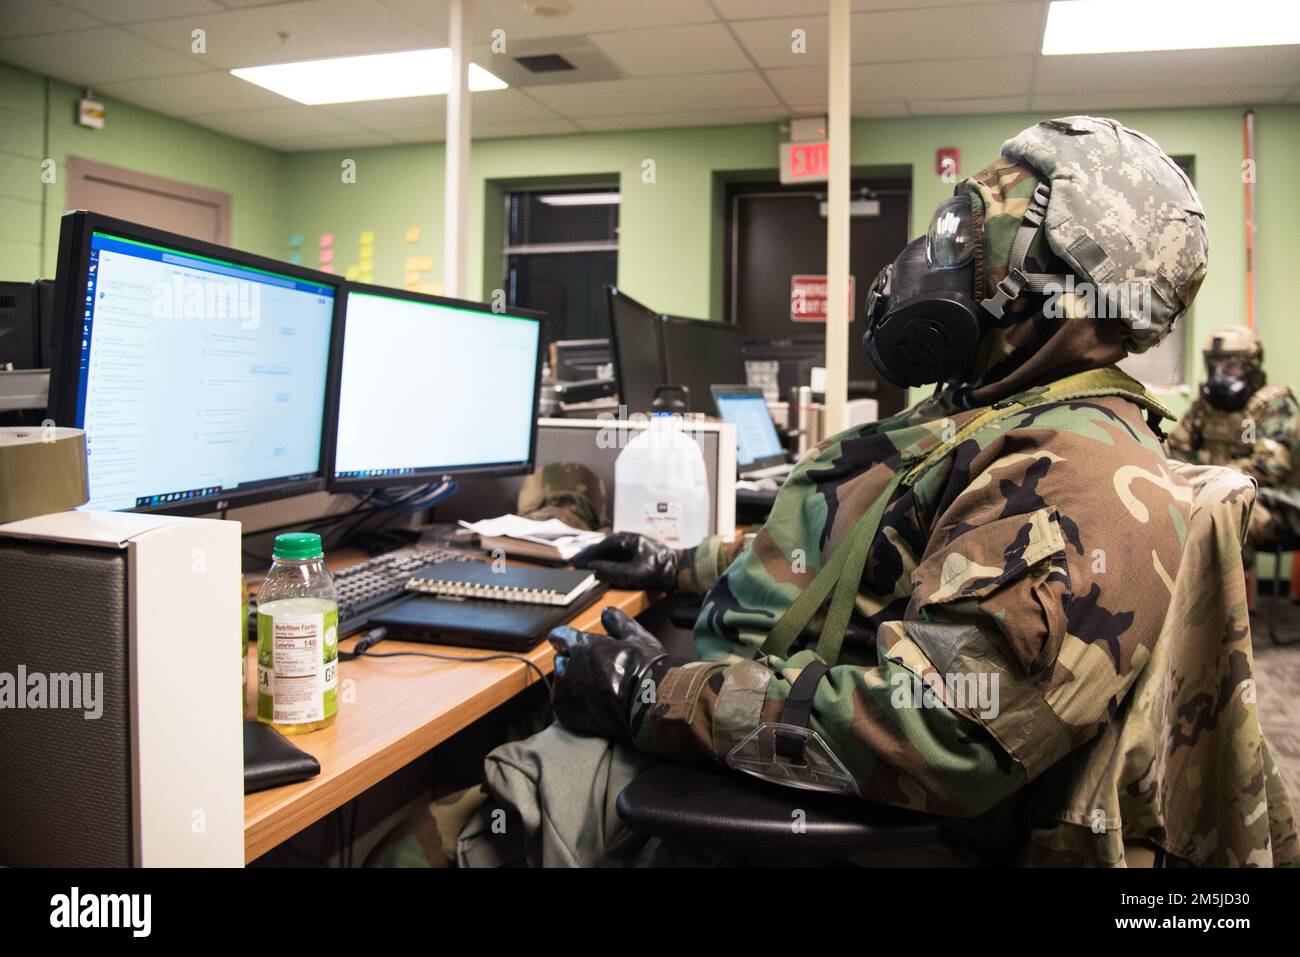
[[762, 823], [1284, 543]]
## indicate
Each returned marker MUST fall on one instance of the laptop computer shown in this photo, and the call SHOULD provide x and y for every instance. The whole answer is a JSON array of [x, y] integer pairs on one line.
[[759, 453]]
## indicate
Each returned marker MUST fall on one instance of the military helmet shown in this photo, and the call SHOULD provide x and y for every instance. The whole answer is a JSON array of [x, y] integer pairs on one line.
[[1121, 214], [1234, 340], [569, 491]]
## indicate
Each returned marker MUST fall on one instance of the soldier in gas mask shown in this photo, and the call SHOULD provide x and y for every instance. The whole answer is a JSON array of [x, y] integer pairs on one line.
[[1240, 421], [1017, 531]]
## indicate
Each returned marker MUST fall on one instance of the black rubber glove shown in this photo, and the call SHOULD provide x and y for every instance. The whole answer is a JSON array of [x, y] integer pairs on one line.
[[629, 560], [598, 676]]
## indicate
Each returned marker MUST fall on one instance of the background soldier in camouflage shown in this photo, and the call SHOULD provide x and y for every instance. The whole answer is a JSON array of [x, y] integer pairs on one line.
[[1240, 421], [1040, 555]]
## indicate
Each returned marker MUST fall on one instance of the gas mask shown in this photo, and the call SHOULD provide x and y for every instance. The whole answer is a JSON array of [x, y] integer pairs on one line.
[[1229, 382], [923, 322]]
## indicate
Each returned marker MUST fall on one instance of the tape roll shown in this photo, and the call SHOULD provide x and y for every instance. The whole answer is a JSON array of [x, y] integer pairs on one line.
[[42, 470]]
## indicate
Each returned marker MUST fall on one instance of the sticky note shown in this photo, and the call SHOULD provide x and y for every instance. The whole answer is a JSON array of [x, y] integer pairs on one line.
[[326, 240], [423, 263], [412, 277], [352, 272], [367, 237], [412, 263], [328, 269], [413, 234], [295, 240], [296, 259], [326, 257]]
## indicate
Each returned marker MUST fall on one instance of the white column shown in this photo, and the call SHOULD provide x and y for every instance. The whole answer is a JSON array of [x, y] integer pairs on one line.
[[838, 305], [456, 175]]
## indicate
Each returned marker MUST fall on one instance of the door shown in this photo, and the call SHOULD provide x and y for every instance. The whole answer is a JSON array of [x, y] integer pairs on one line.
[[776, 232], [149, 200]]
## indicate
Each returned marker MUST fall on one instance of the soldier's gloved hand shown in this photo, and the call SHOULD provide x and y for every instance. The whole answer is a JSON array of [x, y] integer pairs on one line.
[[629, 560], [597, 676]]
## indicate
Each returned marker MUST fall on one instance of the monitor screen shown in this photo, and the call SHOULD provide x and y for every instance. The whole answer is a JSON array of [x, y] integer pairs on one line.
[[431, 387], [756, 436], [198, 377], [700, 354], [638, 351]]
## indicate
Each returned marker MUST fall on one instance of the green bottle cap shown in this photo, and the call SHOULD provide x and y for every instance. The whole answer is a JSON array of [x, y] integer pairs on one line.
[[298, 545]]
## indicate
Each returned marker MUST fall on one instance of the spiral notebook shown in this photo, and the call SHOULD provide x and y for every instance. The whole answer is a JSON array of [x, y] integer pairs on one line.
[[512, 583]]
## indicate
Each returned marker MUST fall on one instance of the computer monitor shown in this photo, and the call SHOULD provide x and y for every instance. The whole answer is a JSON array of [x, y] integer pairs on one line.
[[573, 360], [638, 350], [198, 372], [758, 445], [431, 387], [700, 354]]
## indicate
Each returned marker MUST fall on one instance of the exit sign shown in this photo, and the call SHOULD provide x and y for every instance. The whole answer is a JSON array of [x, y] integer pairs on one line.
[[805, 162]]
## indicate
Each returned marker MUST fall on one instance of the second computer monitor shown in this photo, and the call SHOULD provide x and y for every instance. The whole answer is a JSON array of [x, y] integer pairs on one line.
[[638, 350], [429, 386], [700, 354]]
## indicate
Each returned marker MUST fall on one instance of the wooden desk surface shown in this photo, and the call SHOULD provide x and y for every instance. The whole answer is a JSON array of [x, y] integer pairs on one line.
[[391, 711]]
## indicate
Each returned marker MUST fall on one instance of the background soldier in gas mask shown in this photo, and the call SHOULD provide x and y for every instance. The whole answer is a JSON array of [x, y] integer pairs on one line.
[[1240, 421], [1020, 528]]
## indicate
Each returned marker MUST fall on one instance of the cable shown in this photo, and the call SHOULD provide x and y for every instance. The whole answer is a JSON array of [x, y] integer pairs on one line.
[[362, 650]]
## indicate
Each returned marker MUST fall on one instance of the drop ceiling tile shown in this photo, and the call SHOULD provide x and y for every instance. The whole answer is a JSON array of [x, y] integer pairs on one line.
[[773, 44], [587, 16], [1168, 70], [800, 84], [355, 139], [487, 131], [1081, 102], [943, 33], [291, 122], [698, 48], [20, 18], [481, 131], [918, 79], [759, 9], [430, 112], [386, 115], [131, 11], [97, 55], [215, 91], [660, 94], [860, 108], [286, 32], [989, 104], [646, 121]]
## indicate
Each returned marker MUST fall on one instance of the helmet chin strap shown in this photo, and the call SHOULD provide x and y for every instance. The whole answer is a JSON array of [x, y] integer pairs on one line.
[[1017, 279]]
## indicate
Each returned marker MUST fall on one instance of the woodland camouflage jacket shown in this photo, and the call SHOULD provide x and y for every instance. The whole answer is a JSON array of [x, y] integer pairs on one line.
[[1038, 558]]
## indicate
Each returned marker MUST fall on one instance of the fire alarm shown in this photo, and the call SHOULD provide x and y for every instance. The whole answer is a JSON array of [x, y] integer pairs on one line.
[[947, 161]]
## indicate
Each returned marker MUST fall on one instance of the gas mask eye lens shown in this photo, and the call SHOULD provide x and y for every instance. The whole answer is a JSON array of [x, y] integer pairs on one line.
[[950, 241]]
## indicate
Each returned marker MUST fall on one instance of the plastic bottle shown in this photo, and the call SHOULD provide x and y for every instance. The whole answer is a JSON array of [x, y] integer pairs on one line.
[[660, 485], [297, 638]]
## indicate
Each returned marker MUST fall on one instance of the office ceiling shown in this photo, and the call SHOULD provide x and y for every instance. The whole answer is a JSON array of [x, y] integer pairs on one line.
[[641, 63]]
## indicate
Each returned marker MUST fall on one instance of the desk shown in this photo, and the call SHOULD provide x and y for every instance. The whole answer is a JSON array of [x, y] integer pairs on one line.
[[391, 711]]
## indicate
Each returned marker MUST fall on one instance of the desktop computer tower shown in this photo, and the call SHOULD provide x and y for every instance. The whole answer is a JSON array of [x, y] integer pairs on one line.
[[118, 688]]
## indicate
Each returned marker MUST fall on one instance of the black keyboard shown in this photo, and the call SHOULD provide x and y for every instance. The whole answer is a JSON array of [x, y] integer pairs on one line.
[[377, 581]]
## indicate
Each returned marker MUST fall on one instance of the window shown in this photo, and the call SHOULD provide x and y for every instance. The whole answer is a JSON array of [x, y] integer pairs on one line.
[[561, 251]]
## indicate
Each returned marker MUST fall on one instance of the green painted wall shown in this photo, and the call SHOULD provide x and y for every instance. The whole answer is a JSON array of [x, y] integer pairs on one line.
[[671, 230], [37, 121], [672, 221]]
